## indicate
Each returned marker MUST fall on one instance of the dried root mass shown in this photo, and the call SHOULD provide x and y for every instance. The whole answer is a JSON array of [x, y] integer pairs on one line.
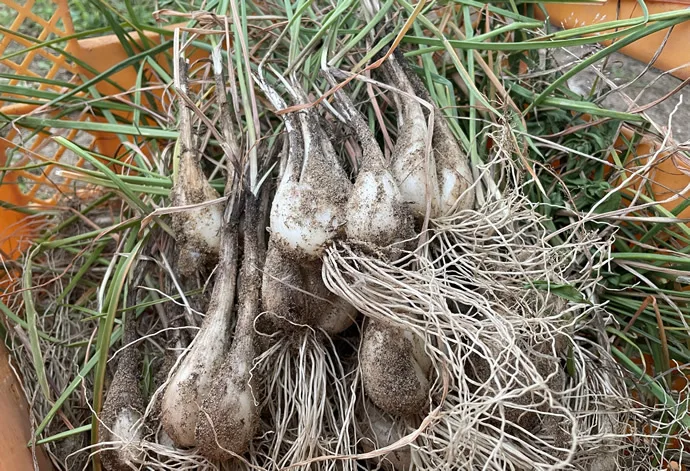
[[498, 343]]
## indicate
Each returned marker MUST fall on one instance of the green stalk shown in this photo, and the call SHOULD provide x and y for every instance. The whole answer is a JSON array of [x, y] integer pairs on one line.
[[31, 315], [116, 288]]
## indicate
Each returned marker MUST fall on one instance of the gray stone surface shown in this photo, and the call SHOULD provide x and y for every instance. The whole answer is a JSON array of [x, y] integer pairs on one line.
[[625, 83]]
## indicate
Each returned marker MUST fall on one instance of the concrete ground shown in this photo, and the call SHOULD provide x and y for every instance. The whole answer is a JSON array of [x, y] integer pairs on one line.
[[630, 84]]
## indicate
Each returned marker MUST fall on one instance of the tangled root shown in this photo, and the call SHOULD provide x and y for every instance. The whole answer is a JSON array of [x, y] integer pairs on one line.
[[310, 403], [527, 387]]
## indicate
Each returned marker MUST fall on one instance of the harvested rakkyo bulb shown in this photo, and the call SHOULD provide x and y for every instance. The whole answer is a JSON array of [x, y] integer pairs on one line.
[[193, 378], [309, 402], [324, 310], [452, 164], [376, 212], [412, 166], [308, 210], [121, 429], [395, 369], [295, 296], [229, 417], [282, 286], [282, 290], [454, 173], [196, 229]]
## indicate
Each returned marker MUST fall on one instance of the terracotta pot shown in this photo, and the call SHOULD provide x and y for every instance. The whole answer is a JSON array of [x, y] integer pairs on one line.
[[675, 55], [15, 432]]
